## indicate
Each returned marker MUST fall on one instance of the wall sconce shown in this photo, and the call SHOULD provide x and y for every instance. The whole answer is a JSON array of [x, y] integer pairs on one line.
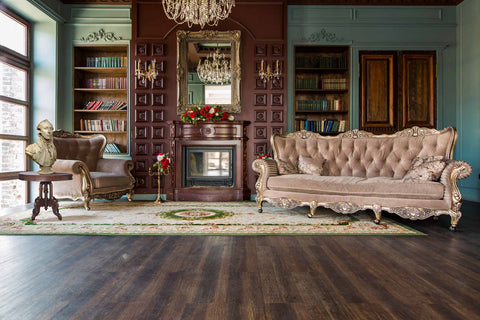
[[268, 74], [150, 73]]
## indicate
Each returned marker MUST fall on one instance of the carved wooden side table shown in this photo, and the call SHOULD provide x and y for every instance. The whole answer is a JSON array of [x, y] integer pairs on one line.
[[45, 189]]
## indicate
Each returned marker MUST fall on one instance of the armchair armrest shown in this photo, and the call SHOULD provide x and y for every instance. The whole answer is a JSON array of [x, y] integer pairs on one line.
[[454, 171], [70, 166], [120, 166], [266, 168]]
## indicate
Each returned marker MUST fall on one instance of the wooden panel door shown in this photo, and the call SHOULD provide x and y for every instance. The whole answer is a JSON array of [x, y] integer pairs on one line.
[[418, 89], [378, 91]]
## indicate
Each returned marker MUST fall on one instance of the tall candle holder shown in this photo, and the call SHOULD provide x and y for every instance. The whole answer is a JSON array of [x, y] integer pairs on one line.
[[163, 168]]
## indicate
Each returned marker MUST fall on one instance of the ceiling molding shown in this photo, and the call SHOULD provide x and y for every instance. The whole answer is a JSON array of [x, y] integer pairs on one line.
[[376, 2]]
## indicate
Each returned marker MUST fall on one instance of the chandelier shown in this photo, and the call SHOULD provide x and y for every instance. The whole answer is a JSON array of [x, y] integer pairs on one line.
[[202, 12], [216, 68]]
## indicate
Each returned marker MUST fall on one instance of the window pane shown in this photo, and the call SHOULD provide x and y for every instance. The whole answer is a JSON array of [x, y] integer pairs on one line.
[[12, 193], [13, 35], [14, 82], [13, 119], [218, 94], [12, 153]]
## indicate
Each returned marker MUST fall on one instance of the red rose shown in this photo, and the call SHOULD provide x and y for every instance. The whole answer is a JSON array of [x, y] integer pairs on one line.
[[165, 163], [192, 114], [209, 116], [224, 115]]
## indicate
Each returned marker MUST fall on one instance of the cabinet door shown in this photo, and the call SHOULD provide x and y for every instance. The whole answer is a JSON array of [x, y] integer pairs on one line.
[[378, 91], [418, 89]]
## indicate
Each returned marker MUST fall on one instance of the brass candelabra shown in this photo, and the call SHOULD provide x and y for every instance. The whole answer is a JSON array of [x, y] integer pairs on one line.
[[159, 173]]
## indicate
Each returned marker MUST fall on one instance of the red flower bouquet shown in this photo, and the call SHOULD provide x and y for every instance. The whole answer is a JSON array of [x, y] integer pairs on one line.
[[163, 163], [195, 114], [264, 156]]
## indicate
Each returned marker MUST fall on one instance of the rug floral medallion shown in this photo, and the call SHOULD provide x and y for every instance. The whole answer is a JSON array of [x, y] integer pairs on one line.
[[195, 218]]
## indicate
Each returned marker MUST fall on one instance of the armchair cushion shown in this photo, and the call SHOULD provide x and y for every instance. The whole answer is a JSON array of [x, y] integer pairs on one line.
[[86, 150], [285, 167], [106, 180]]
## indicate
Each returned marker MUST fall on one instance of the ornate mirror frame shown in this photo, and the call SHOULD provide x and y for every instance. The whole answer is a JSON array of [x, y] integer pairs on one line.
[[183, 38]]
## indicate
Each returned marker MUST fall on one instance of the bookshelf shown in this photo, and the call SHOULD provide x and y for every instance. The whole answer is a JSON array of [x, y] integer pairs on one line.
[[100, 94], [322, 89]]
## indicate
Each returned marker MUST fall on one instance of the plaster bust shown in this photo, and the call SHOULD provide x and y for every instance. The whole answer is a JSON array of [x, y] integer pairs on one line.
[[43, 151]]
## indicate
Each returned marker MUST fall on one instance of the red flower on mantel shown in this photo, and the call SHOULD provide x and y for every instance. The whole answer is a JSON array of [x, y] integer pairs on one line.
[[264, 156], [207, 113]]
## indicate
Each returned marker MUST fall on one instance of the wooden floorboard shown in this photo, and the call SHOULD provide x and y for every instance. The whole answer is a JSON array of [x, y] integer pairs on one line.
[[246, 277]]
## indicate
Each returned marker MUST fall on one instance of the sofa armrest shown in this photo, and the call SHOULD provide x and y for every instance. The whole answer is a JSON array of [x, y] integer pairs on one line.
[[454, 171], [266, 168], [120, 166]]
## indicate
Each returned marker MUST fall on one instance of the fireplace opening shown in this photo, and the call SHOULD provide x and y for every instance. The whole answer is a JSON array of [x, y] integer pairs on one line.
[[208, 166]]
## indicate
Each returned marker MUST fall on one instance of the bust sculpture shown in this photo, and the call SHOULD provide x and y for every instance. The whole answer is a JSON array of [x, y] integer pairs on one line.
[[43, 151]]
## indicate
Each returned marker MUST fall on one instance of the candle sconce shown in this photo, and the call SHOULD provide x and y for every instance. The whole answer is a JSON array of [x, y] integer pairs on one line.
[[150, 72], [267, 75]]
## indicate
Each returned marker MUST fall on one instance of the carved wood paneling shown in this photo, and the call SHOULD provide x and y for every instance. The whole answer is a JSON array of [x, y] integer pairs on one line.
[[259, 99], [377, 91], [260, 116], [418, 94]]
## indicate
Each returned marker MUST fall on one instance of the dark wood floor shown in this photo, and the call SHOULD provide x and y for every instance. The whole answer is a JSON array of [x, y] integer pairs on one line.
[[246, 277]]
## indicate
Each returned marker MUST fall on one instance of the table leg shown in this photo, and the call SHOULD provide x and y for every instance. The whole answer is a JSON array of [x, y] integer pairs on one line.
[[45, 199]]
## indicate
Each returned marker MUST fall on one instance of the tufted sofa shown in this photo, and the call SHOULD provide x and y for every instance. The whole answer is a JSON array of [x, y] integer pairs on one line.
[[93, 176], [361, 171]]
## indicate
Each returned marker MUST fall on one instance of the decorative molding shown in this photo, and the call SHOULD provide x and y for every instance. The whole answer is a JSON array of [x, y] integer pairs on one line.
[[323, 35], [101, 34]]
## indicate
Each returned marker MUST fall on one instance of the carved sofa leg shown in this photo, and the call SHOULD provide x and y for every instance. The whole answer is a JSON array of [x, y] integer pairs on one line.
[[378, 213], [129, 195], [455, 216], [313, 206]]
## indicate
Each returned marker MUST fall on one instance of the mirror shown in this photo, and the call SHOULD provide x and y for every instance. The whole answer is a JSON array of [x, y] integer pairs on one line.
[[197, 83]]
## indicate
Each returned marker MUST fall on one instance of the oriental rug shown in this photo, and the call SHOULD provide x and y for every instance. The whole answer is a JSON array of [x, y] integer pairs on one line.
[[195, 218]]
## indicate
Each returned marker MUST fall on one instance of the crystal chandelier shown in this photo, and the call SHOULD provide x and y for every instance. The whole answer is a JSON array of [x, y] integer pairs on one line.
[[216, 68], [202, 12]]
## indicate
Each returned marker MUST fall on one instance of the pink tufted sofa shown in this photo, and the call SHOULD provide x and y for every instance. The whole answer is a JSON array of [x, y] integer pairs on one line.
[[364, 171]]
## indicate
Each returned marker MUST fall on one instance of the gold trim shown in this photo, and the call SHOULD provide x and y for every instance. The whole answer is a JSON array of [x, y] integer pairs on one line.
[[183, 37]]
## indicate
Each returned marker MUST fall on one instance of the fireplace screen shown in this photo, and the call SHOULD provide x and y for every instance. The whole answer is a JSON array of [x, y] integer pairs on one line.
[[207, 166]]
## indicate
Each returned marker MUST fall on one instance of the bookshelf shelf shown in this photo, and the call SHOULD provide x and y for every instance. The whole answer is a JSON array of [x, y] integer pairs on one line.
[[322, 88], [100, 77]]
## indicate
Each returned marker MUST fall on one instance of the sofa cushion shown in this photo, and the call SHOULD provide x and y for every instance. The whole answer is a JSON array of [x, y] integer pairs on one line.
[[429, 168], [107, 179], [285, 167], [309, 165], [385, 187]]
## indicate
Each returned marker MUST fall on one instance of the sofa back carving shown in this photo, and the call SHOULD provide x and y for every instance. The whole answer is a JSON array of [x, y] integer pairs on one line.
[[362, 154], [75, 147]]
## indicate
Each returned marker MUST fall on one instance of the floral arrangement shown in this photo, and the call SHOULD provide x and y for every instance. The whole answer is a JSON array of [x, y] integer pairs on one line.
[[265, 155], [195, 114], [163, 163]]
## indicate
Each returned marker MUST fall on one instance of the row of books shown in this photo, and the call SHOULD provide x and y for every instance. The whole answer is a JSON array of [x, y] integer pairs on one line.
[[324, 83], [324, 62], [112, 148], [103, 125], [327, 125], [332, 84], [104, 105], [106, 83], [319, 105], [107, 62]]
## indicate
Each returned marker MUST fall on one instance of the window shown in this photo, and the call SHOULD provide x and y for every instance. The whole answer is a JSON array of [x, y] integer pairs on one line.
[[14, 106]]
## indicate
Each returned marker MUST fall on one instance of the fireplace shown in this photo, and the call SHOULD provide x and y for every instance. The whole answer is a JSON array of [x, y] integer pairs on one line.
[[208, 161], [208, 166]]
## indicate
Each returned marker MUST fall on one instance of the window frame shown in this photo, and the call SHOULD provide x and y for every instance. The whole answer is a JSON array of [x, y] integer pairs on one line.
[[22, 62]]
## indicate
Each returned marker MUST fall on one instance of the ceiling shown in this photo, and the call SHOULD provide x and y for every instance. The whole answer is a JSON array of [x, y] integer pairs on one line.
[[312, 2]]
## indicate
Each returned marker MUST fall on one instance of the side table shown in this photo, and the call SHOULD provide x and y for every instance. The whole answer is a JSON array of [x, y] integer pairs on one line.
[[45, 198]]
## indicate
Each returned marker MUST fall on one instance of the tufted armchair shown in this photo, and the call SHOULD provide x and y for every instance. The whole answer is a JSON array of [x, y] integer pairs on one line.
[[93, 176]]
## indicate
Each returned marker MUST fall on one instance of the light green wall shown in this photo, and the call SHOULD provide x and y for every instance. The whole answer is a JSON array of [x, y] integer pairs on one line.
[[379, 28], [468, 94], [81, 21]]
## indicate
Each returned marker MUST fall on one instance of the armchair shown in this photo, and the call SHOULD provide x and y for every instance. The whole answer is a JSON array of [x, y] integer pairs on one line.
[[93, 176]]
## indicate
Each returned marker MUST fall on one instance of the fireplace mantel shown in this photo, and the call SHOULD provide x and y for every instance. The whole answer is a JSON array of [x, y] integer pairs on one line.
[[208, 134]]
